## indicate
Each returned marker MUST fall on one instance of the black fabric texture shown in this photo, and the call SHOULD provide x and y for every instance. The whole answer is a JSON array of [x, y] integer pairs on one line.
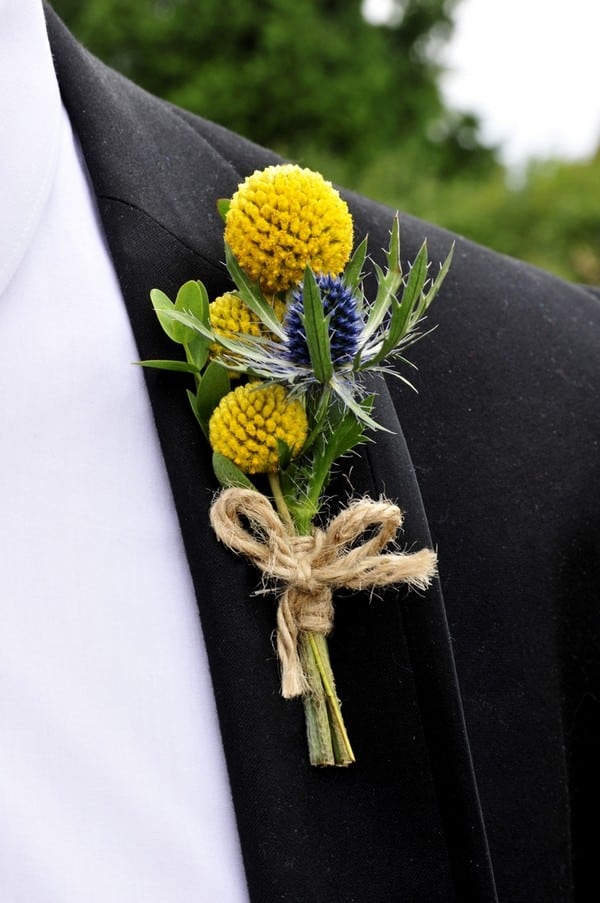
[[473, 708]]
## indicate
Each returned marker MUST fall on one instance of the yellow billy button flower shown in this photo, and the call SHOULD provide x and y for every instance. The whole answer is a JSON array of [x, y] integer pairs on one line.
[[283, 219], [231, 317], [247, 423]]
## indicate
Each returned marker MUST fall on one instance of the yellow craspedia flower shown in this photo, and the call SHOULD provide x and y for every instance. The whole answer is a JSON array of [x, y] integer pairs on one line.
[[247, 423], [230, 316], [283, 219]]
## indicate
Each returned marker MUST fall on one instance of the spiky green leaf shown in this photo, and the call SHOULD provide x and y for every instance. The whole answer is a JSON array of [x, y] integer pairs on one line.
[[252, 295], [416, 279], [353, 404], [316, 328], [393, 252], [353, 271], [189, 320], [437, 282], [388, 283]]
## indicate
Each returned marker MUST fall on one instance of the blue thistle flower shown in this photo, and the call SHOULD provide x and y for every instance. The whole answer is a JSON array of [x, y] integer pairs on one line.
[[362, 335], [341, 306]]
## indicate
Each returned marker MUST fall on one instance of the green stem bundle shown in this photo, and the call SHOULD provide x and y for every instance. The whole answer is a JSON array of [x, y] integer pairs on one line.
[[328, 741]]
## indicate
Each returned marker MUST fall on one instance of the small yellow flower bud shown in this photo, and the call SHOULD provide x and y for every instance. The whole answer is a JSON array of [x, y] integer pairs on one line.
[[231, 317]]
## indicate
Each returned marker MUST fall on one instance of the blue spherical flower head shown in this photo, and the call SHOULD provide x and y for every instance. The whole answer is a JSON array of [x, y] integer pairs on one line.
[[345, 323]]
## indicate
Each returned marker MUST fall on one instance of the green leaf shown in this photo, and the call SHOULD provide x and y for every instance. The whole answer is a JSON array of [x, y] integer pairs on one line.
[[192, 298], [295, 484], [197, 351], [437, 282], [213, 386], [404, 313], [223, 205], [353, 270], [343, 433], [348, 432], [228, 474], [178, 366], [416, 279], [192, 401], [329, 447], [252, 295], [159, 299], [352, 403], [388, 284], [395, 332], [161, 304], [316, 327], [195, 325], [379, 307], [284, 453], [197, 348], [393, 252]]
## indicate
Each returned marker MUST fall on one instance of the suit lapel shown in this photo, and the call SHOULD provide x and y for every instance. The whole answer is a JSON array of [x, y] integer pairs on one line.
[[430, 650], [405, 821]]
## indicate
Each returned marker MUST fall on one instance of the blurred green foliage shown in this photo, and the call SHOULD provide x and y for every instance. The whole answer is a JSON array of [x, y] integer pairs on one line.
[[549, 215], [313, 80]]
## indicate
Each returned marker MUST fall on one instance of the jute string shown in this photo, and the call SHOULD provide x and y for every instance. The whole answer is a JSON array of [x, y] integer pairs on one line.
[[309, 568]]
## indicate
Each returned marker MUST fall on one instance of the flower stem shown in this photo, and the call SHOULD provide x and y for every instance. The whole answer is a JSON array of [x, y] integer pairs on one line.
[[282, 508], [344, 754], [319, 417], [318, 731], [328, 742]]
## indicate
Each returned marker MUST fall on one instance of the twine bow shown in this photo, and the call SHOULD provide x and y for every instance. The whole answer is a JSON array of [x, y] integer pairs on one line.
[[311, 567]]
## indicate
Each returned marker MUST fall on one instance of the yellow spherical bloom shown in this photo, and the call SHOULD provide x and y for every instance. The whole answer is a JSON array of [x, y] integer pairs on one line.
[[283, 219], [247, 423], [230, 317]]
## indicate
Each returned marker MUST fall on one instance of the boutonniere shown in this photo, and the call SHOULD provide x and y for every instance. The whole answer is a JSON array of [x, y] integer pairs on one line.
[[278, 366]]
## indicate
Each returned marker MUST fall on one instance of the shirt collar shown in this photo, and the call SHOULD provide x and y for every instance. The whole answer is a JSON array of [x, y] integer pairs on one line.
[[30, 119]]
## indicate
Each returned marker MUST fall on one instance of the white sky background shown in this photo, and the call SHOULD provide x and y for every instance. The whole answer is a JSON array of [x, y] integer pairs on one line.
[[529, 68]]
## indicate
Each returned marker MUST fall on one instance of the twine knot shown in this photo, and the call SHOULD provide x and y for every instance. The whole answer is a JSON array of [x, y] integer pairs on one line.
[[347, 553]]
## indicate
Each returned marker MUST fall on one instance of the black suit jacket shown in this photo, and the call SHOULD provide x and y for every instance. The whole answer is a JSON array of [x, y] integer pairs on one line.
[[503, 440]]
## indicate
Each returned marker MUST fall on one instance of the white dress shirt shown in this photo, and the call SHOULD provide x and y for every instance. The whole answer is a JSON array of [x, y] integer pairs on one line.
[[113, 786]]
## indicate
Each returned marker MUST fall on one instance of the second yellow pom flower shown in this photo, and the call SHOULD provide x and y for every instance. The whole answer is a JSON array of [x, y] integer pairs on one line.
[[231, 317]]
